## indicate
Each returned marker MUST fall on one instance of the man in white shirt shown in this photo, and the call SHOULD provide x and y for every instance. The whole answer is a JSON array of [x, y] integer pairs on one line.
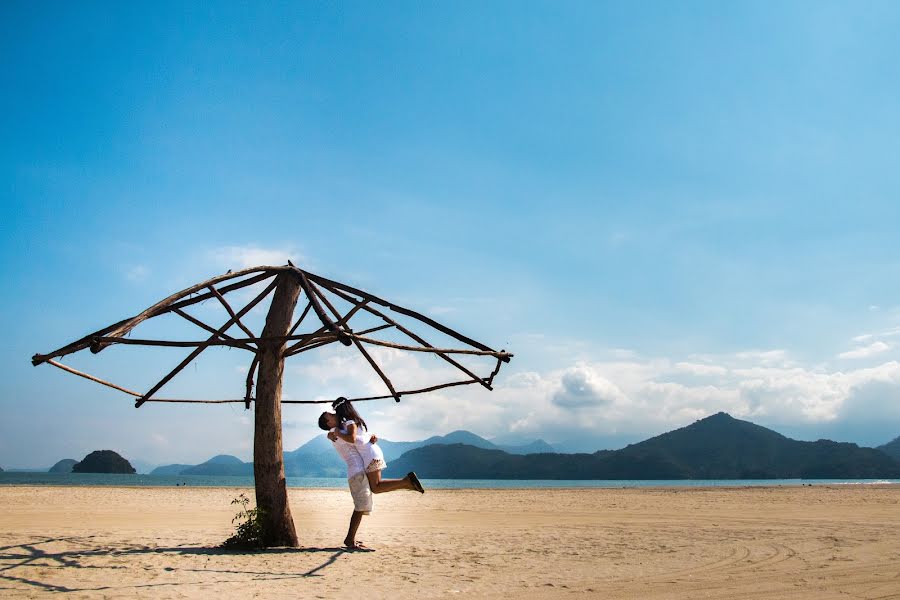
[[356, 479]]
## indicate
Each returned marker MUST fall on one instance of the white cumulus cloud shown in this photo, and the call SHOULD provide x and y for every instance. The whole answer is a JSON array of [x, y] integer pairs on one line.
[[866, 351]]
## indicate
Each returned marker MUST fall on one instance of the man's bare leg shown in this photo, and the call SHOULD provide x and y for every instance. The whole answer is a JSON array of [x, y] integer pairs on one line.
[[355, 520], [379, 485]]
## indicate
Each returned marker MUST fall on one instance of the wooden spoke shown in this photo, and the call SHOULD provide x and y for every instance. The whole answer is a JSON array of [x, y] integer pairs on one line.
[[250, 373], [300, 320], [326, 321], [439, 352], [333, 285], [228, 308], [91, 377], [210, 329], [359, 346]]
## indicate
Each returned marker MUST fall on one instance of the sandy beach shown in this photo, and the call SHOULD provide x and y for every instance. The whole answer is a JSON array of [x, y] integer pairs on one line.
[[798, 542]]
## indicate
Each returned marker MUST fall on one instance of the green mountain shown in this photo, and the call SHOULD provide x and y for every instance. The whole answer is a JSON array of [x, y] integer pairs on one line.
[[103, 461], [317, 458], [717, 447], [535, 447], [170, 469], [63, 466], [223, 464], [892, 448]]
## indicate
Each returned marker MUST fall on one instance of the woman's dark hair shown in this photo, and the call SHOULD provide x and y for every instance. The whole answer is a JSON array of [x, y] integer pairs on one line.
[[345, 412]]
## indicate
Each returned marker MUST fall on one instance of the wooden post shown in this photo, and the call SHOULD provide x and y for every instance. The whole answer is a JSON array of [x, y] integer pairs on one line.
[[268, 456]]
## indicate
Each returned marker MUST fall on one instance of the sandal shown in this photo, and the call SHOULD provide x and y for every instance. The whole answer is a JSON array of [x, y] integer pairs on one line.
[[414, 480]]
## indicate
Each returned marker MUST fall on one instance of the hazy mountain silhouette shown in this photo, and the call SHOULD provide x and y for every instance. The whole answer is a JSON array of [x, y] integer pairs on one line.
[[63, 466], [223, 464], [717, 447], [892, 448], [317, 458]]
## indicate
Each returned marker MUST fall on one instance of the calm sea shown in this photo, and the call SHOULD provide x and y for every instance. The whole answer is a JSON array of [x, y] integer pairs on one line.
[[95, 479]]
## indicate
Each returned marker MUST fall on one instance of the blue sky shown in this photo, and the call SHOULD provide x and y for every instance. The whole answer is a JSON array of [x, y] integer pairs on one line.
[[664, 210]]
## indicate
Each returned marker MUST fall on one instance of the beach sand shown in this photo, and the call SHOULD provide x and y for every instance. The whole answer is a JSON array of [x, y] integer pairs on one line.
[[796, 542]]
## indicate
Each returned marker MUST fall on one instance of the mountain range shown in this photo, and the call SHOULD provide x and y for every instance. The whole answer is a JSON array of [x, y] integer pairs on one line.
[[317, 458], [717, 447]]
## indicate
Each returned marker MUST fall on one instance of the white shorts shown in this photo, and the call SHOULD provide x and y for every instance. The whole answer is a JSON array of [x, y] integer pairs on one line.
[[377, 464], [361, 492]]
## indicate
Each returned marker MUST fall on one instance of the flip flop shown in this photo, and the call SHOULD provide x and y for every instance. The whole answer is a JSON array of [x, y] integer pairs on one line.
[[417, 485]]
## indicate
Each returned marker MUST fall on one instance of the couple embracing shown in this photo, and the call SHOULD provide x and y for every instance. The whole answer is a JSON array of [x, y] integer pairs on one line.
[[365, 462]]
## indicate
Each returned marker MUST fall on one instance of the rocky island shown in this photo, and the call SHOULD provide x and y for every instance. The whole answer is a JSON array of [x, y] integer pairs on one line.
[[103, 461], [63, 466]]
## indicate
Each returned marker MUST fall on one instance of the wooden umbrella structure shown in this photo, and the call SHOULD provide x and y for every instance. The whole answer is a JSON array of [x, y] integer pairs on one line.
[[278, 341]]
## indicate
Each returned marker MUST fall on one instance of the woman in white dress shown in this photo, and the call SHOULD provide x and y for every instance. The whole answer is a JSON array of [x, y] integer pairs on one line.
[[345, 424]]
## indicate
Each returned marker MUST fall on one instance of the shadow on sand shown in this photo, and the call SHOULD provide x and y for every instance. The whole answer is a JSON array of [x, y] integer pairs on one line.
[[14, 559]]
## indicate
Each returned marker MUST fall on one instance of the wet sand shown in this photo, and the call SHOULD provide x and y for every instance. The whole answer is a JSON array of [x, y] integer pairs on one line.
[[797, 542]]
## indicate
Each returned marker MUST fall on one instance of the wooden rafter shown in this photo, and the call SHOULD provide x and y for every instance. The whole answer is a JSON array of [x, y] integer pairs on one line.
[[427, 347], [359, 346], [230, 310]]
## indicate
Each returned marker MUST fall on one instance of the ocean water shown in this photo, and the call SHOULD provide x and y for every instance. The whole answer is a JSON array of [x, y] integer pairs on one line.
[[100, 479]]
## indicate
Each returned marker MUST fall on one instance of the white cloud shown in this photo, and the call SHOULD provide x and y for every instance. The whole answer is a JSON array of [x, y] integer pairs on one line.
[[581, 386], [616, 399], [701, 370], [866, 351], [137, 273], [242, 257], [888, 333]]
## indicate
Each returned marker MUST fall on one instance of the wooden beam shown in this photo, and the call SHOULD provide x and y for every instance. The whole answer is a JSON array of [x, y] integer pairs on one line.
[[211, 329], [201, 348], [300, 320], [91, 377], [359, 346], [329, 401], [224, 290], [228, 308], [250, 372], [326, 321], [330, 285], [122, 327], [422, 341], [312, 345], [296, 348], [504, 356]]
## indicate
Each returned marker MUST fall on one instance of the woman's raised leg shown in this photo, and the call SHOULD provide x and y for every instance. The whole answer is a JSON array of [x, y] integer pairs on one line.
[[379, 485]]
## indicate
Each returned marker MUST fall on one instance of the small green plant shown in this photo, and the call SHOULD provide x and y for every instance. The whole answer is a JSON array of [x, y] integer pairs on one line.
[[249, 529]]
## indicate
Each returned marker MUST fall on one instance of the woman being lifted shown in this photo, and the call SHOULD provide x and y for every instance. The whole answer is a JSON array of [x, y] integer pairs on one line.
[[347, 425]]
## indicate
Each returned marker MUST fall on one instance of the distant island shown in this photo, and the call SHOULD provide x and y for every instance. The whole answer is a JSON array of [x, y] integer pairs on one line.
[[63, 466], [103, 461], [717, 447]]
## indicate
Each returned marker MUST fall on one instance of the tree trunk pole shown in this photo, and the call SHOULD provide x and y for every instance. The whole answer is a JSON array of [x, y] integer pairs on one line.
[[268, 456]]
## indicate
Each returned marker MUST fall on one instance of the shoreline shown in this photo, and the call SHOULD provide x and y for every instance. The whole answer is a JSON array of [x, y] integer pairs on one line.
[[101, 480]]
